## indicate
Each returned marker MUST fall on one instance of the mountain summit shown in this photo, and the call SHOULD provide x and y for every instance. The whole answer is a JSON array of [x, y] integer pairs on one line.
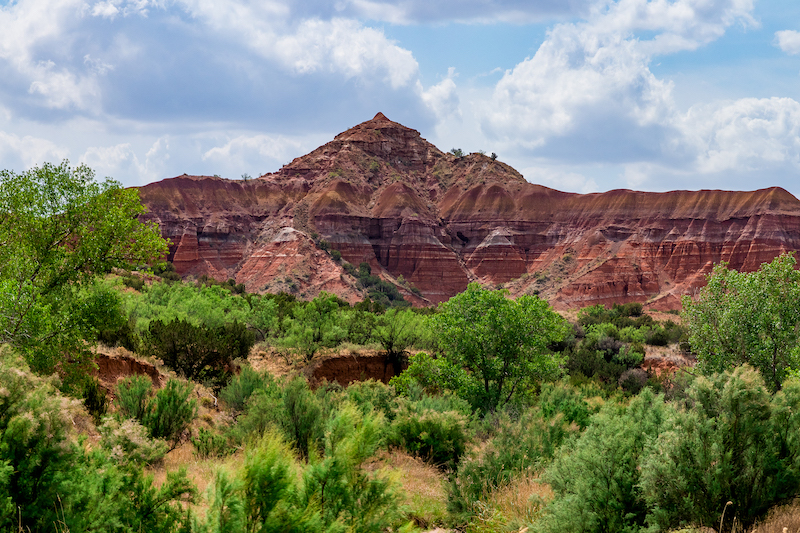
[[433, 221]]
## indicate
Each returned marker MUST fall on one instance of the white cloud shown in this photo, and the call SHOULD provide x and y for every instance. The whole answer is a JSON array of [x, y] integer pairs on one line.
[[560, 179], [25, 152], [588, 92], [442, 98], [344, 46], [122, 160], [746, 134], [788, 41], [245, 149]]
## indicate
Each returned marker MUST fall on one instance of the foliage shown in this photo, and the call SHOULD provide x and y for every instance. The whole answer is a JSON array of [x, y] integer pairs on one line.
[[209, 444], [198, 353], [94, 399], [596, 479], [346, 493], [293, 409], [751, 318], [171, 411], [396, 331], [242, 386], [378, 290], [439, 437], [133, 394], [603, 354], [50, 481], [60, 229], [503, 343], [129, 441], [167, 415], [730, 441], [520, 447], [315, 325]]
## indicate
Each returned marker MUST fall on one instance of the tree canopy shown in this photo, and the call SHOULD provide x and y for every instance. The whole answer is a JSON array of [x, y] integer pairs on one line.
[[59, 230], [751, 318], [502, 343]]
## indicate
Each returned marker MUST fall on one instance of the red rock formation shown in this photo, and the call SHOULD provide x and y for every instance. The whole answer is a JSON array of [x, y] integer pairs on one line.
[[380, 193]]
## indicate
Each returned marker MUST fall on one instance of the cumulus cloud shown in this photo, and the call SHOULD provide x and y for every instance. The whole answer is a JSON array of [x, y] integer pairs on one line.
[[788, 41], [245, 151], [122, 160], [442, 98], [588, 92], [25, 152], [746, 134]]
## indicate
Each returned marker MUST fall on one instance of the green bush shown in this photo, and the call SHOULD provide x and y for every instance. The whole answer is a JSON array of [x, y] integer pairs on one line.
[[209, 444], [95, 399], [597, 478], [198, 353], [519, 447], [242, 386], [167, 415], [170, 412], [730, 440], [133, 395], [438, 437], [48, 481], [129, 441]]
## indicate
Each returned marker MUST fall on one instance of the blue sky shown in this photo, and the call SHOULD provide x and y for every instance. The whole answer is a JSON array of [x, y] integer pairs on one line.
[[578, 95]]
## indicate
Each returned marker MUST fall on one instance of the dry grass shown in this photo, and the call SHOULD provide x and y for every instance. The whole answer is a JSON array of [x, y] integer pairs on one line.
[[201, 472], [783, 519], [425, 497], [512, 506]]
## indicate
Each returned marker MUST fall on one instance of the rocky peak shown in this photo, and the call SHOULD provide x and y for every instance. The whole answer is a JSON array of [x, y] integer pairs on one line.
[[380, 193]]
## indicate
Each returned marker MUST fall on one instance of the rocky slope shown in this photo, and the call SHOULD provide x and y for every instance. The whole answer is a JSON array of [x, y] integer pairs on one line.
[[380, 193]]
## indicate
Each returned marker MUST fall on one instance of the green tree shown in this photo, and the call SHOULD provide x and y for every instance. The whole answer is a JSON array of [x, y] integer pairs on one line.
[[60, 229], [315, 325], [396, 331], [503, 343], [751, 318]]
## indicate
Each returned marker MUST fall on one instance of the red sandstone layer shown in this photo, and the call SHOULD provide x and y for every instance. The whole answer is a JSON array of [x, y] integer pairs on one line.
[[382, 194]]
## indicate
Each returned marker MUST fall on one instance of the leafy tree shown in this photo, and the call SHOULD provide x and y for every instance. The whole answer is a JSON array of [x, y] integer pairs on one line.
[[198, 352], [396, 331], [749, 318], [315, 325], [60, 229], [503, 343]]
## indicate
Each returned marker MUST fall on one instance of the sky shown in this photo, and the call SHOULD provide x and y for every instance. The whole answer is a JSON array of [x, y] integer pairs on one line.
[[578, 95]]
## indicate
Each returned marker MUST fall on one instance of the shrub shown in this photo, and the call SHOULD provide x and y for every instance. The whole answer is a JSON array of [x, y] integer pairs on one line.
[[241, 387], [596, 478], [95, 399], [198, 353], [170, 412], [520, 447], [209, 444], [129, 441], [730, 440], [439, 437], [133, 395]]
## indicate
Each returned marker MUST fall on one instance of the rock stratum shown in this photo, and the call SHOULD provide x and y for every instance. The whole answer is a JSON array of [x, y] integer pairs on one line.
[[382, 194]]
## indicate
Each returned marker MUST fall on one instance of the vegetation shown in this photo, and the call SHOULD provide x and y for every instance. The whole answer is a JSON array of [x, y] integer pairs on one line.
[[751, 318], [510, 417], [503, 344], [60, 230]]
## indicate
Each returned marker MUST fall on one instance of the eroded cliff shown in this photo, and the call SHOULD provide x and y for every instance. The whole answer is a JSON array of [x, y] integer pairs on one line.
[[382, 194]]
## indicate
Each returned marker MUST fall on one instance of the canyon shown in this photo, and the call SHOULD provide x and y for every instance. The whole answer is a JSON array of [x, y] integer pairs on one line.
[[431, 222]]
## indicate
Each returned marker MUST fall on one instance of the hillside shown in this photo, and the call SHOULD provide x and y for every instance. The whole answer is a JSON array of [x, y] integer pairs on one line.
[[381, 193]]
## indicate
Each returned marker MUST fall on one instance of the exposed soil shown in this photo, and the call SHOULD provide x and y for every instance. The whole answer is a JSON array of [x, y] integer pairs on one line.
[[347, 369], [113, 366]]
